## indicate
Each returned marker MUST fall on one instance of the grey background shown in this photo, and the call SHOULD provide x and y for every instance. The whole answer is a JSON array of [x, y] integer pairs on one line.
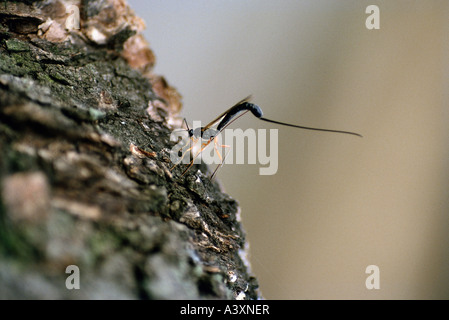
[[337, 203]]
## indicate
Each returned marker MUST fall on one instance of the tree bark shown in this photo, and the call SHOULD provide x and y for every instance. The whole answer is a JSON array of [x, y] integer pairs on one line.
[[85, 167]]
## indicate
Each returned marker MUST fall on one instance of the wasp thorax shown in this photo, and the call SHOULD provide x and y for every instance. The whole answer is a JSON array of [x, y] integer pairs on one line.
[[207, 134]]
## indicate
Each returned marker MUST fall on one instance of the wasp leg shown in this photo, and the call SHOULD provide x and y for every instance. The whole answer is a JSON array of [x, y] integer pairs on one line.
[[222, 159], [203, 146], [192, 141]]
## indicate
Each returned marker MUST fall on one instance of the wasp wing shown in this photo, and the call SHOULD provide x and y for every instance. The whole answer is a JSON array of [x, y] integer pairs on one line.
[[210, 124]]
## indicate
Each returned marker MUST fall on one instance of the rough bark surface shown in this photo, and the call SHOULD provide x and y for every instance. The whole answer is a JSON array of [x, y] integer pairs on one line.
[[85, 168]]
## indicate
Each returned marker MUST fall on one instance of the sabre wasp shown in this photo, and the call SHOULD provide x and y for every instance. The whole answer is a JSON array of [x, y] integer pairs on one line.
[[209, 134]]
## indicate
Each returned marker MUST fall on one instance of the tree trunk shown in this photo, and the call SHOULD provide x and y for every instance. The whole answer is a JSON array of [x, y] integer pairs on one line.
[[89, 207]]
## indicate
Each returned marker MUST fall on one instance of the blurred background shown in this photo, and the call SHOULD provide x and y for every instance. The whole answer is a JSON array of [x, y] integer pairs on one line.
[[337, 203]]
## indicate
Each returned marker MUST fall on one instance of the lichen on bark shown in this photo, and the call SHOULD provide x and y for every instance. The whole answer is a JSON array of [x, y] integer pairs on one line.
[[85, 170]]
